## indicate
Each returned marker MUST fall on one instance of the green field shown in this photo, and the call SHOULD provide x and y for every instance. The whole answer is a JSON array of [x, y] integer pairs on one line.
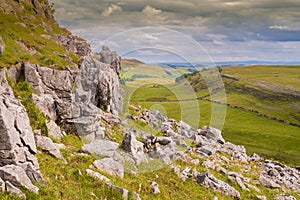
[[274, 98]]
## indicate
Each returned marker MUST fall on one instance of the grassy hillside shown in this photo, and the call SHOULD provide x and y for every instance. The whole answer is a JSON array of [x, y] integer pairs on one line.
[[250, 105], [27, 29]]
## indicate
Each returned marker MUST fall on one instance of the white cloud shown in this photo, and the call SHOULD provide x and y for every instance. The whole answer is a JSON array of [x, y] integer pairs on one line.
[[150, 11], [111, 9], [279, 27]]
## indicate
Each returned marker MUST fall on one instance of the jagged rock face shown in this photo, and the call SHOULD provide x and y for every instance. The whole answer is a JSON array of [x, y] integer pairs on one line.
[[54, 88], [17, 145], [110, 57], [72, 44], [101, 82], [97, 90]]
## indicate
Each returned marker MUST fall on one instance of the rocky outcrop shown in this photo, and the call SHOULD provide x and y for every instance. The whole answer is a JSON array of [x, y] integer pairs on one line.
[[73, 44], [17, 145], [275, 174], [54, 88], [97, 96]]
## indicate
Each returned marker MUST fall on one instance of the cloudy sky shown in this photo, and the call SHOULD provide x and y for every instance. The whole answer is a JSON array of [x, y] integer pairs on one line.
[[228, 30]]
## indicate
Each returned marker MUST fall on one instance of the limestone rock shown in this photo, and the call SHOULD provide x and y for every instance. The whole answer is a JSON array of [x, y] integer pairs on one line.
[[134, 148], [186, 130], [17, 144], [2, 46], [110, 166], [284, 197], [2, 185], [255, 157], [118, 189], [100, 148], [261, 197], [10, 188], [209, 181], [46, 144], [96, 175], [207, 150], [268, 182], [51, 84], [46, 104], [54, 130], [212, 133], [136, 196], [155, 188], [72, 44], [17, 176]]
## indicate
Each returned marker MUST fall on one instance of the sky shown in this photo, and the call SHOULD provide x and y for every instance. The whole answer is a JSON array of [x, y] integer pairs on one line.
[[226, 30]]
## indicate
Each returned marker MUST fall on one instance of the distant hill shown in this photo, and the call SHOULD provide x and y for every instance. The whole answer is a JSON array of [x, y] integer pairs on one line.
[[132, 61]]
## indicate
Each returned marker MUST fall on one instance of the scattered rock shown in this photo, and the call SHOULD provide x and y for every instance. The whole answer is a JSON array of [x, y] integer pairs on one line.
[[136, 196], [209, 164], [100, 148], [155, 188], [17, 176], [241, 183], [14, 190], [212, 133], [268, 182], [110, 166], [134, 148], [252, 187], [46, 144], [209, 181], [54, 130], [207, 150], [261, 197], [284, 197], [118, 189], [186, 130], [255, 157], [97, 175]]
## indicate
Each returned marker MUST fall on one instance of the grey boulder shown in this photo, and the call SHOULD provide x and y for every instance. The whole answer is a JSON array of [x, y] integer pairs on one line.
[[209, 181], [110, 166], [100, 148], [47, 145]]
